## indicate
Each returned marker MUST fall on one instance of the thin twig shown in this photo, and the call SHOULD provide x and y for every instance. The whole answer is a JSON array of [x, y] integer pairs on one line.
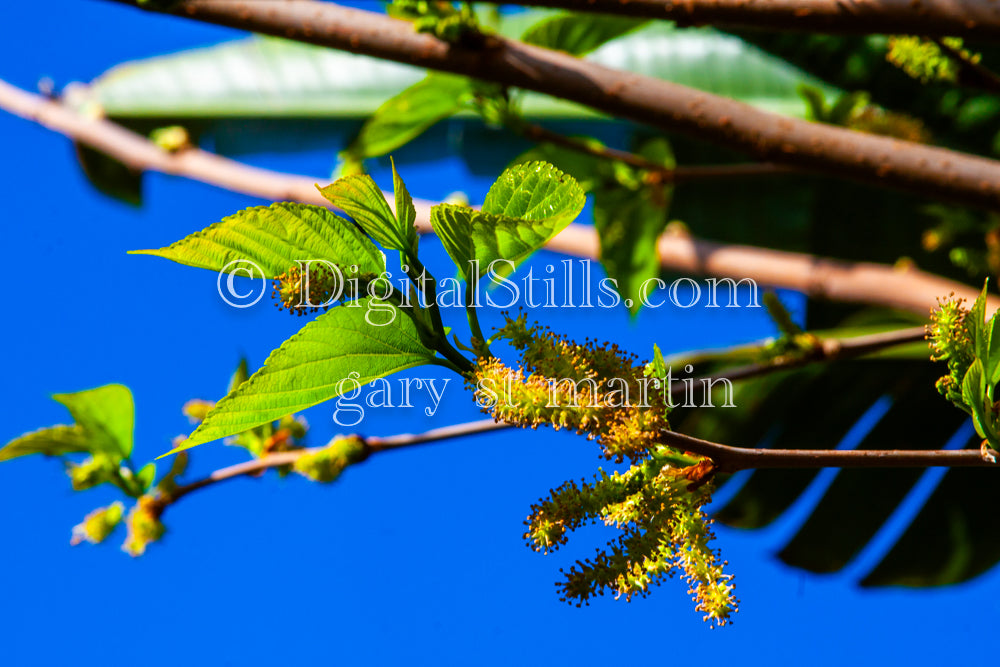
[[976, 74], [826, 350], [817, 277], [769, 137], [733, 459], [942, 18], [684, 174], [372, 444]]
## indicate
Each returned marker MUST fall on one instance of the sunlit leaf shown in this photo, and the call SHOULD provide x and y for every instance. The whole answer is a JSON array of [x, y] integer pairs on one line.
[[271, 239], [106, 414], [528, 205], [315, 365]]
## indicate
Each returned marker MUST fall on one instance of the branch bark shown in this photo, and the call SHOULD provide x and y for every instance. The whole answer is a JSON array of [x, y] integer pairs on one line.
[[818, 277], [977, 19], [373, 444], [724, 457], [734, 459], [827, 350], [928, 171]]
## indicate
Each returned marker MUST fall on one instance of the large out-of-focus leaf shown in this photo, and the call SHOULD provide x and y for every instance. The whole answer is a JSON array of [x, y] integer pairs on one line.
[[270, 77], [110, 176], [51, 441], [106, 414], [579, 34], [950, 540], [406, 115], [629, 218]]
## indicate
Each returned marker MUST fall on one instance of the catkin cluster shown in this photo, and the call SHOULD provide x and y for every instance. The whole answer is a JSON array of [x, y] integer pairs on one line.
[[663, 530], [951, 341], [601, 391], [596, 390]]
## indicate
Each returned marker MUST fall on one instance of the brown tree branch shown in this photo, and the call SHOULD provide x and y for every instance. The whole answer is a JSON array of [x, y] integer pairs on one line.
[[971, 72], [733, 459], [928, 171], [725, 458], [979, 19], [826, 350], [818, 277], [372, 444]]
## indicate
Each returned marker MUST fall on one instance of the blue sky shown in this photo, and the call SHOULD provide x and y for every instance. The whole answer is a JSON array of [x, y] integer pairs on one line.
[[414, 556]]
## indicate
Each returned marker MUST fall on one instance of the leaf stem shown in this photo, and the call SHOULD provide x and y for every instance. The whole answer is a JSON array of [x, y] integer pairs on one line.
[[372, 444]]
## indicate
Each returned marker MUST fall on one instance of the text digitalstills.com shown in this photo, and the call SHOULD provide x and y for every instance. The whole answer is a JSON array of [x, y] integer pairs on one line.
[[319, 284]]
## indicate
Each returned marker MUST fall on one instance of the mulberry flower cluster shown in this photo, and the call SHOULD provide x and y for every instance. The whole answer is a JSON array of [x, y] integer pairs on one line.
[[602, 392], [951, 341], [592, 389], [663, 528]]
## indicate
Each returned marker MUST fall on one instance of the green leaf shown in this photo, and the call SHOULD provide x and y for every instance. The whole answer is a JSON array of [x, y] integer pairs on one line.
[[992, 363], [973, 394], [146, 475], [313, 366], [409, 114], [106, 414], [976, 321], [273, 238], [579, 34], [588, 170], [528, 205], [815, 102], [241, 375], [51, 441], [110, 176], [262, 77], [168, 483], [628, 224], [629, 217], [359, 197], [659, 365], [406, 212]]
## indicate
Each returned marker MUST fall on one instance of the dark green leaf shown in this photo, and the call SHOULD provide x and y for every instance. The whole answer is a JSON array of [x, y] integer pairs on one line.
[[579, 34], [629, 216], [409, 114], [110, 176], [826, 542], [952, 539], [314, 365]]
